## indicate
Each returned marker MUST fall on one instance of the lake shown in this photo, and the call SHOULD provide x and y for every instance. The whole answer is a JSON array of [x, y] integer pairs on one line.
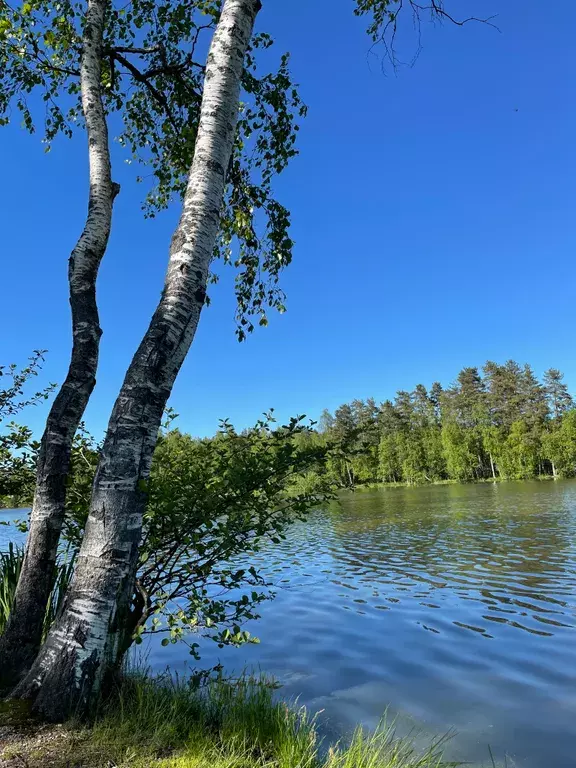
[[454, 606]]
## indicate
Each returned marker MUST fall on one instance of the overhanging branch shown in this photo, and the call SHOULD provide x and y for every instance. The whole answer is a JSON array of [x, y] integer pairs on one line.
[[142, 78]]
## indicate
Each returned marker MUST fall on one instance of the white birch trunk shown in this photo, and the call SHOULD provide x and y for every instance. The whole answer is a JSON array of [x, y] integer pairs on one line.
[[21, 640], [492, 467], [69, 668]]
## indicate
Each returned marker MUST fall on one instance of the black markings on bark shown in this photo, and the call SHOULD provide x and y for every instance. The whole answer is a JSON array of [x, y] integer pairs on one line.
[[178, 240], [214, 166], [80, 635]]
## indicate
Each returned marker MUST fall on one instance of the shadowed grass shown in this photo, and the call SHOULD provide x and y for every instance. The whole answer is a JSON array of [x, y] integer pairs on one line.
[[233, 723]]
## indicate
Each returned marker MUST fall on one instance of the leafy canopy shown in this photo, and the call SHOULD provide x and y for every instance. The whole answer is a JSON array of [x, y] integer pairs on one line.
[[152, 79], [17, 447], [212, 504]]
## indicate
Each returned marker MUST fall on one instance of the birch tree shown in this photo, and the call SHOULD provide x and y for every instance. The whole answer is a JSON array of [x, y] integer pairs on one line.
[[68, 52], [73, 660], [141, 64]]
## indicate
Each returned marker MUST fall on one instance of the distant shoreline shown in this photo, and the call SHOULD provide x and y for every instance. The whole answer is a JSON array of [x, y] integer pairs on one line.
[[373, 487], [480, 481]]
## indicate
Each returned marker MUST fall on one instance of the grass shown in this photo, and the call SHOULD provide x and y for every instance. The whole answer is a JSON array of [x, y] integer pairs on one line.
[[162, 723], [221, 723], [10, 567], [240, 725]]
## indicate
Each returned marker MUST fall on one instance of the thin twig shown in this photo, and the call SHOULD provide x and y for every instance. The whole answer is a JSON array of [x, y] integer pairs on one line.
[[139, 76]]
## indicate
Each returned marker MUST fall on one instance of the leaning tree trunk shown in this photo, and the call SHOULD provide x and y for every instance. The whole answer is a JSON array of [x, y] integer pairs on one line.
[[21, 640], [82, 643]]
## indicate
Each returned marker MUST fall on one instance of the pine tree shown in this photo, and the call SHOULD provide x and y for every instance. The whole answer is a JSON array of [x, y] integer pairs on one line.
[[344, 433], [504, 385], [365, 463], [436, 394], [556, 392], [326, 422]]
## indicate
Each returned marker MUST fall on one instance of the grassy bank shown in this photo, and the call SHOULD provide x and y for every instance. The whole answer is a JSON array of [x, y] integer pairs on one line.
[[426, 483], [160, 723]]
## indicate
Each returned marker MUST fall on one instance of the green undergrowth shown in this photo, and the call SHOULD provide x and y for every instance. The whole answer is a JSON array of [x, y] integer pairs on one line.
[[10, 566], [426, 484], [239, 725], [159, 722], [163, 723]]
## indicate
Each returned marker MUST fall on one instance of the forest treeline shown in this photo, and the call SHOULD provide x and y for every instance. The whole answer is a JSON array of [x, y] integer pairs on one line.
[[496, 422]]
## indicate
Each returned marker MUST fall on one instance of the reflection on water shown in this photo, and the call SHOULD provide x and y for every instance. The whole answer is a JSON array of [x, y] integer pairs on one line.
[[454, 605], [503, 547]]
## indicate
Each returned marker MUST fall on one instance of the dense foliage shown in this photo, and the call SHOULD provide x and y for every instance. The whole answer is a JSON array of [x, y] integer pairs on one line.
[[17, 447], [498, 423], [152, 80], [212, 503]]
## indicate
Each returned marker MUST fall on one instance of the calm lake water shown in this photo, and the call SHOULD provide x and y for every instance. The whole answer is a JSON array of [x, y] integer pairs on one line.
[[453, 606]]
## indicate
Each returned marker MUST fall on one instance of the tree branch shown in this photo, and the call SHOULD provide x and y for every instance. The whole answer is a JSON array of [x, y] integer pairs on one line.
[[439, 11], [128, 49], [141, 78]]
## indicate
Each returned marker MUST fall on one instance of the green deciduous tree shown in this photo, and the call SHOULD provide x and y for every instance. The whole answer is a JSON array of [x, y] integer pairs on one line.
[[459, 446], [88, 62], [500, 424], [17, 448], [213, 504], [559, 445], [518, 456]]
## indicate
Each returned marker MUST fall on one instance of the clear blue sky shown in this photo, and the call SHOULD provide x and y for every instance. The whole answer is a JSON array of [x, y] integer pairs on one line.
[[434, 214]]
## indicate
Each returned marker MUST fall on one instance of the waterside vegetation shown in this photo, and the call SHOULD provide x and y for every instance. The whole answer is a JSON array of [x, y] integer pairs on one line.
[[166, 723], [497, 423]]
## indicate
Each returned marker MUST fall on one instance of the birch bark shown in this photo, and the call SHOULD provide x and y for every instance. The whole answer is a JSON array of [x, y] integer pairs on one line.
[[21, 640], [69, 669], [492, 467]]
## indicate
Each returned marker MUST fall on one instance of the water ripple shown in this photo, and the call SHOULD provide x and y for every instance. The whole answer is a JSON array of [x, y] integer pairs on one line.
[[454, 605]]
